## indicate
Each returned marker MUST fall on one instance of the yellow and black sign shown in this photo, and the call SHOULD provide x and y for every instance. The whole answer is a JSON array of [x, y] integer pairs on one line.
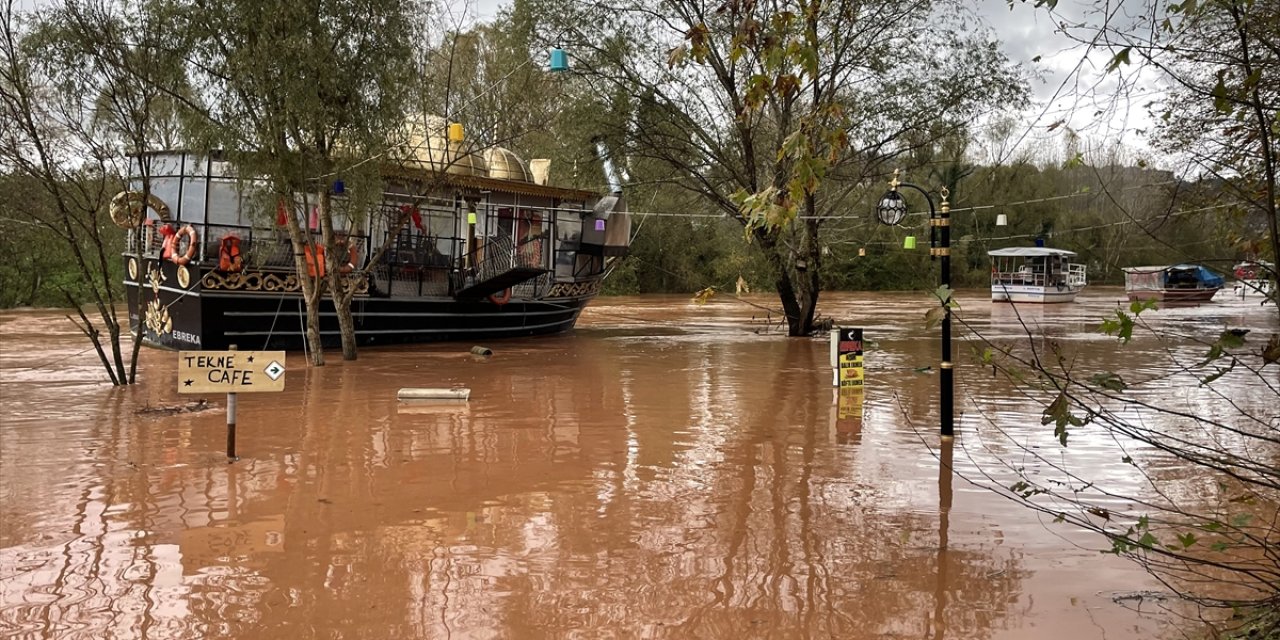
[[849, 360]]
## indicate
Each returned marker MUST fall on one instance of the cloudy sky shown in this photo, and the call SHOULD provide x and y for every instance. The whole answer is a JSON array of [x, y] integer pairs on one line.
[[1070, 84]]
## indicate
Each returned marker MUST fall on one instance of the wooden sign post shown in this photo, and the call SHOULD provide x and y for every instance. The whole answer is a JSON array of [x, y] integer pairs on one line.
[[231, 372]]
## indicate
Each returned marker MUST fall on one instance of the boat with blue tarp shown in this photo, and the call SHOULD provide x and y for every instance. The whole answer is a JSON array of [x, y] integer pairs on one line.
[[1172, 283]]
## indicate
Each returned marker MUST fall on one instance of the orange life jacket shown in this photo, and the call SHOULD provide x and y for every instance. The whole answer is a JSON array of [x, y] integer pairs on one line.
[[229, 258]]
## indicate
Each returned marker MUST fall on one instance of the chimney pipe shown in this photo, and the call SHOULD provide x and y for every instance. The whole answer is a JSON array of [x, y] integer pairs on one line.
[[610, 174]]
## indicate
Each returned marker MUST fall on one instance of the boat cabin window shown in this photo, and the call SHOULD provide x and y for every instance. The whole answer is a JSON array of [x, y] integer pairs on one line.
[[156, 165], [193, 193], [166, 189], [193, 165], [568, 239], [224, 202]]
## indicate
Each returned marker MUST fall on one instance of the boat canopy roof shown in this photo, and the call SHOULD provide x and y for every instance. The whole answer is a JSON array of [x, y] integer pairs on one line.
[[1165, 267], [1202, 274], [1029, 252]]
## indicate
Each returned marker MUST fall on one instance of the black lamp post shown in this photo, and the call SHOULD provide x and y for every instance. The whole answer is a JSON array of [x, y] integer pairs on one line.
[[891, 210]]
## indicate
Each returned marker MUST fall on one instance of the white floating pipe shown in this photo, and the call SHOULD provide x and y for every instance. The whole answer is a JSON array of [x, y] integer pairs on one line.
[[433, 394]]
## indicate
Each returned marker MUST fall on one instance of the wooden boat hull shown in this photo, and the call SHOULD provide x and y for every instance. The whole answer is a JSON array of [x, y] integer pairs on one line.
[[1174, 295], [1033, 294]]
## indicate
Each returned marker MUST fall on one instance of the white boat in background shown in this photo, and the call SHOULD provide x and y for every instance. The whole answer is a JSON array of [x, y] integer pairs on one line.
[[1035, 274], [1254, 278]]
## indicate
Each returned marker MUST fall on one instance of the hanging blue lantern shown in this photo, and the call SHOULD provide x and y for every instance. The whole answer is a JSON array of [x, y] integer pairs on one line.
[[559, 60], [338, 187]]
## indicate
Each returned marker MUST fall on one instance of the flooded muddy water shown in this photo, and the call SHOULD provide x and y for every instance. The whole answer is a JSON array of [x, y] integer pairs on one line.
[[667, 470]]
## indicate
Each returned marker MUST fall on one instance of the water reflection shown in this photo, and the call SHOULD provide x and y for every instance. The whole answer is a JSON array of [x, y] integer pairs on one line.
[[691, 480]]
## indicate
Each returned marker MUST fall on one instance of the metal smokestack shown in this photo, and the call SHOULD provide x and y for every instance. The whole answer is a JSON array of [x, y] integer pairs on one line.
[[610, 173]]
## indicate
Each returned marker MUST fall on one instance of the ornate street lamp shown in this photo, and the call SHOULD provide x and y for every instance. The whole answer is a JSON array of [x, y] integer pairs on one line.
[[891, 210]]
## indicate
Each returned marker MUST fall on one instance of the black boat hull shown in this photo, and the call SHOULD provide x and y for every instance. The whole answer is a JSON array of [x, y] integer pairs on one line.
[[182, 313]]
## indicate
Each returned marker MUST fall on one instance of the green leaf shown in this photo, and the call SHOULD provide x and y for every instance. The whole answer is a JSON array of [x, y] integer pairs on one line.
[[1138, 306], [1147, 540], [1121, 326], [1122, 57], [933, 317], [1219, 546], [1271, 352], [1187, 539], [1220, 101], [1217, 374], [943, 294], [1231, 339]]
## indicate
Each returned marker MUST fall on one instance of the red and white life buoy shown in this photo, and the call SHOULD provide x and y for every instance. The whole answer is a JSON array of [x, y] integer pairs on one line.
[[179, 255], [501, 298]]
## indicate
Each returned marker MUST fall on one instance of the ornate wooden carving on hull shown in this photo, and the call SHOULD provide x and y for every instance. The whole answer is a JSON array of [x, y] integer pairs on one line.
[[268, 282], [573, 289]]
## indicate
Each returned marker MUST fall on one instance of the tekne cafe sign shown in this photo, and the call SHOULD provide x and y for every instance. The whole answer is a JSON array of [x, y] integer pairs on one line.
[[230, 371]]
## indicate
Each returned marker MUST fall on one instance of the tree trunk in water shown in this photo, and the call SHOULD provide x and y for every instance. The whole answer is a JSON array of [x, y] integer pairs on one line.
[[302, 245], [337, 263], [342, 304], [799, 295]]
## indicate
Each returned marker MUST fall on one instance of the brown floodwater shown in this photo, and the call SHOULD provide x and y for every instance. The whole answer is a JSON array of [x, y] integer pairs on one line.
[[667, 470]]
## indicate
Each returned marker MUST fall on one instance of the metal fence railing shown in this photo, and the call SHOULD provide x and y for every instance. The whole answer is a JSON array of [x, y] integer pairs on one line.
[[260, 248]]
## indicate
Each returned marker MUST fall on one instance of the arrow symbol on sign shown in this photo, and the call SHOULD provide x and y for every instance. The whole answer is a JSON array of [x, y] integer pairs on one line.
[[274, 370]]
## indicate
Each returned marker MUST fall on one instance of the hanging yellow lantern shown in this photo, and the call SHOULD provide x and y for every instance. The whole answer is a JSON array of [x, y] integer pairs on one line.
[[455, 132], [909, 242]]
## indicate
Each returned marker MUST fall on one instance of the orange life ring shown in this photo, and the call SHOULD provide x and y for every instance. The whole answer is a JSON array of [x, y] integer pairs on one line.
[[184, 256], [501, 298], [229, 258]]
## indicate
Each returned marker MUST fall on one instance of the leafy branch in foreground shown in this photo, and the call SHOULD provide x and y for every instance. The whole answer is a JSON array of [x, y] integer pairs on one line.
[[1194, 418]]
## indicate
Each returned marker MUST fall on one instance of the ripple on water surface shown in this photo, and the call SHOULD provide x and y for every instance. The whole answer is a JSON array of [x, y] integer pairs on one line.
[[668, 469]]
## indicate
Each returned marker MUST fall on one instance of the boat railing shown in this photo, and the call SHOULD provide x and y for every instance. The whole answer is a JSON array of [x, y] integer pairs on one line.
[[260, 248], [1073, 276], [1019, 277], [1076, 275], [416, 265]]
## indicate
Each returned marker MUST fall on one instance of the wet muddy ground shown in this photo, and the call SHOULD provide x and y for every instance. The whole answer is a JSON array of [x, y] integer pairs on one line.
[[667, 470]]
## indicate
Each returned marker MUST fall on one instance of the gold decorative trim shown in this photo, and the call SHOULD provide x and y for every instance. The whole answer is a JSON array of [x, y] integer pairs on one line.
[[133, 269], [268, 282], [939, 252], [573, 289], [184, 276]]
